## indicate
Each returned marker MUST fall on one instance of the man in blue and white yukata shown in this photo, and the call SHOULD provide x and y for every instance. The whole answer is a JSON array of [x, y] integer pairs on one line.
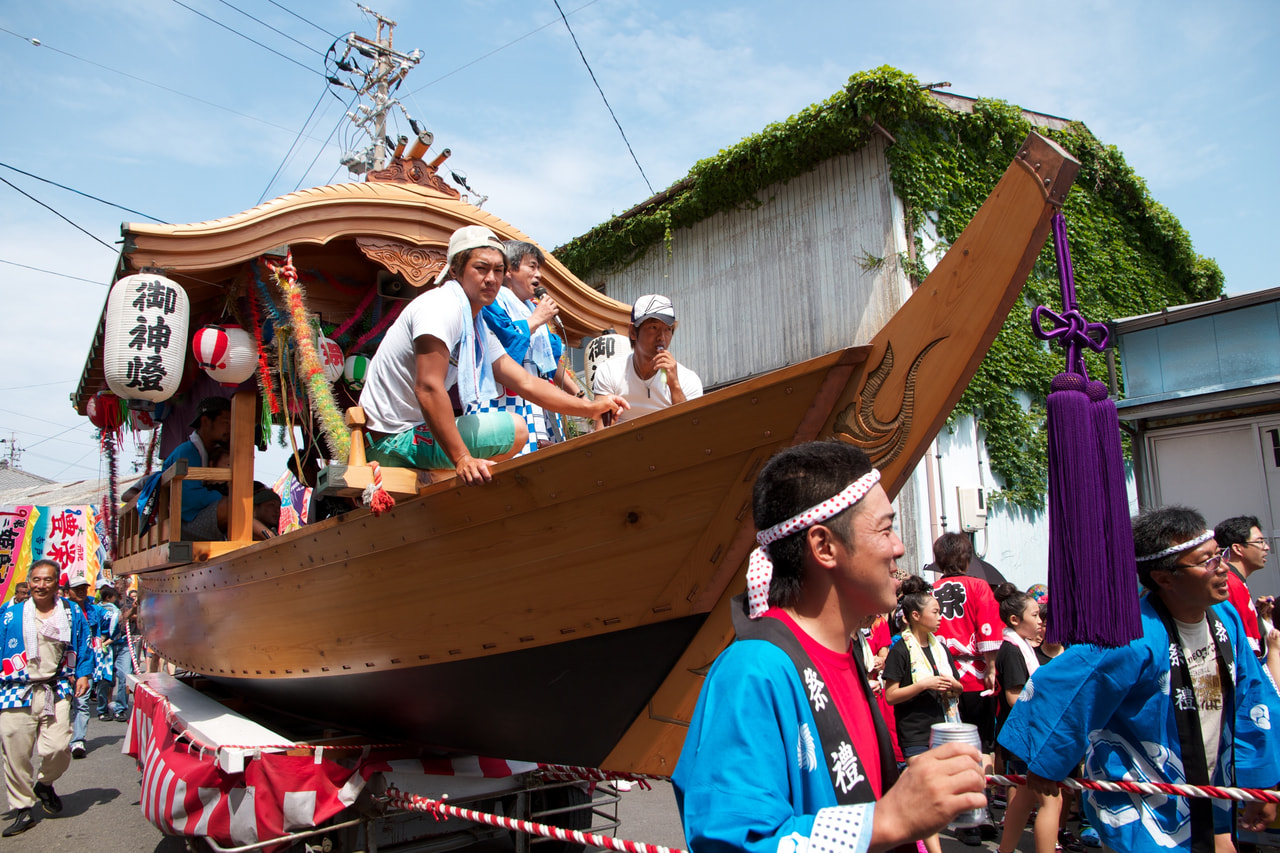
[[1185, 703], [522, 323], [786, 752]]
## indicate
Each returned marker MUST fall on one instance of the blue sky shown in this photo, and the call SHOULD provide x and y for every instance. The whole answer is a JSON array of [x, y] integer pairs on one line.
[[151, 106]]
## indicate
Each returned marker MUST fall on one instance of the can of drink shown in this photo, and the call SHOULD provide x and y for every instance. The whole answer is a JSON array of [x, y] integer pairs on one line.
[[941, 733]]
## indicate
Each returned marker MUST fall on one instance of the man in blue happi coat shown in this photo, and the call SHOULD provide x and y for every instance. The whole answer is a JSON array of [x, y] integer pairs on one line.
[[786, 752], [1185, 703], [46, 663]]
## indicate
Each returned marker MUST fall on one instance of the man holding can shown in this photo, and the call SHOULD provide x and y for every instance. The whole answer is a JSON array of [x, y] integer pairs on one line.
[[786, 751]]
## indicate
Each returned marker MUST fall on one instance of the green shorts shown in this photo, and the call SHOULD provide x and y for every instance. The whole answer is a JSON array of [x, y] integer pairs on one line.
[[486, 435]]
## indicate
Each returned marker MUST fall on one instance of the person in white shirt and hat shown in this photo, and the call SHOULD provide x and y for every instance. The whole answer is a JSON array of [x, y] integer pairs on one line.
[[438, 342], [650, 379]]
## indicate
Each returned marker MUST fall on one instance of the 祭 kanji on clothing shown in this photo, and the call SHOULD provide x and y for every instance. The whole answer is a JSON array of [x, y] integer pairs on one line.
[[1119, 709], [970, 625], [784, 750]]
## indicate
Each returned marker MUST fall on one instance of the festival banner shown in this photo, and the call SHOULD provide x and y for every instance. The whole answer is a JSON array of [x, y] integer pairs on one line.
[[69, 535]]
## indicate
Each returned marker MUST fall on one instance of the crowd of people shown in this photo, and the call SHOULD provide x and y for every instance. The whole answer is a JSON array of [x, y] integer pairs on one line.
[[65, 652], [813, 731]]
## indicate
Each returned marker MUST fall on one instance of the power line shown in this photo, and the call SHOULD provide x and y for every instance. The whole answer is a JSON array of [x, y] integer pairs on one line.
[[601, 91], [248, 38], [163, 88], [59, 215], [38, 384], [304, 20], [289, 153], [342, 119], [497, 49], [49, 272], [273, 29], [86, 195]]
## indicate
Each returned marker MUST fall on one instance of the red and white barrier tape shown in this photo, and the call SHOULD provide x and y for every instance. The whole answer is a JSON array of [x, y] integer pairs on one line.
[[413, 802], [1245, 795], [569, 773]]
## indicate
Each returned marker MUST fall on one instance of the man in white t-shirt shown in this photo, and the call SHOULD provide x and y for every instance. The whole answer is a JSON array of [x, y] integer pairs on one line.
[[650, 379], [439, 342]]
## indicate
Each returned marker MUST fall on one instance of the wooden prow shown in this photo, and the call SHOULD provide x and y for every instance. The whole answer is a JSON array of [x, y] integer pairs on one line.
[[950, 322]]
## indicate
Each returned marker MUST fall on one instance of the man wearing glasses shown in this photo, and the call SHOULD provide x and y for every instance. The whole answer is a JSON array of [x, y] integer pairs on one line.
[[1184, 703], [1246, 552]]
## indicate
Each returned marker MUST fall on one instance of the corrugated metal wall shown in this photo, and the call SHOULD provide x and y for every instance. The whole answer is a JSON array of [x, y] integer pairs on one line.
[[812, 269]]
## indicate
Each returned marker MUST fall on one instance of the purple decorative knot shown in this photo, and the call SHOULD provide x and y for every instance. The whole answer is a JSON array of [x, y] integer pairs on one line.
[[1070, 328]]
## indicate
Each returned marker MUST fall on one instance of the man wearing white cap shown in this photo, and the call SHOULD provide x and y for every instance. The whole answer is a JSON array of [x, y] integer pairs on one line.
[[439, 342], [650, 379], [1185, 703], [786, 751]]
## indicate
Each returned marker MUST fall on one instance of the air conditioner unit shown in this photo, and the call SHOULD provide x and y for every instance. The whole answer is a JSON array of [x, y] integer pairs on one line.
[[973, 509]]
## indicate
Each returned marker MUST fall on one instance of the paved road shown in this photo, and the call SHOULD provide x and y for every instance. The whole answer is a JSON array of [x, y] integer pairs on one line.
[[102, 814]]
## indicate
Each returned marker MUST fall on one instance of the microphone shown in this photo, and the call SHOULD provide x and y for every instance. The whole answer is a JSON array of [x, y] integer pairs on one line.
[[663, 372], [540, 293]]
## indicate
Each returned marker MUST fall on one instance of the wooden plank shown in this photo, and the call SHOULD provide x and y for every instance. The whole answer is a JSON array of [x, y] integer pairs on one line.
[[164, 556], [202, 552], [351, 480], [243, 416]]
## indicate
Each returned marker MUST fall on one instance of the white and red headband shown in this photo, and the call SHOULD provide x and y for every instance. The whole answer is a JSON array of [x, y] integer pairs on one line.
[[760, 567]]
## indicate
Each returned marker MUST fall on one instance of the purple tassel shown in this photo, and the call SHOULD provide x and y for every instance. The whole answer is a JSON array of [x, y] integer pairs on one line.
[[1121, 588], [1077, 553], [1093, 580]]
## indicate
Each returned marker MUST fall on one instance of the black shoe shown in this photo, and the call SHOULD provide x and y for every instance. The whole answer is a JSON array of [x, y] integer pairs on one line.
[[970, 835], [49, 799], [105, 716], [988, 830], [78, 750], [22, 821], [1068, 842], [122, 716]]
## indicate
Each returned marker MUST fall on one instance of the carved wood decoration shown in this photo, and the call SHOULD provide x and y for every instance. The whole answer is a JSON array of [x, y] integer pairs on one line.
[[418, 264], [857, 423], [412, 172]]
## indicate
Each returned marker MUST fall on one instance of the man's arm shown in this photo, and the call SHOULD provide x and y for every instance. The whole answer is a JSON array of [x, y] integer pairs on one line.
[[546, 395], [431, 370]]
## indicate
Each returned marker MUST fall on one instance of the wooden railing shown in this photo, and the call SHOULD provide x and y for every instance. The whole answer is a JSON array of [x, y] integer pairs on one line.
[[161, 546]]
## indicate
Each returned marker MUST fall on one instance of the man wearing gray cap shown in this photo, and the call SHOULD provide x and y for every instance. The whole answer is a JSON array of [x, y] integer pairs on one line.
[[650, 379], [440, 342]]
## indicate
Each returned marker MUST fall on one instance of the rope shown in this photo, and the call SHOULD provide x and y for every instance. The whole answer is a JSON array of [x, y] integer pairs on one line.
[[569, 773], [375, 497], [412, 802], [1246, 795]]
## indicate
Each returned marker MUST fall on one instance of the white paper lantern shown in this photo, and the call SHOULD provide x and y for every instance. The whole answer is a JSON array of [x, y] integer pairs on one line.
[[145, 337], [602, 349], [330, 358], [227, 353], [354, 370]]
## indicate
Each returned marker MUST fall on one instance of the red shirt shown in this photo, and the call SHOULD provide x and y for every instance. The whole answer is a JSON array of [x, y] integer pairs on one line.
[[838, 672], [970, 625], [1240, 598]]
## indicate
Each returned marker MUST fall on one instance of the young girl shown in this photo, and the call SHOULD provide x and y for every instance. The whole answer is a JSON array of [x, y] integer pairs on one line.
[[1015, 663], [919, 676]]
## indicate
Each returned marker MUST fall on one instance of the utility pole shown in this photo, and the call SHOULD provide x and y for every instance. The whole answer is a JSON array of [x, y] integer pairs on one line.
[[13, 453], [377, 83]]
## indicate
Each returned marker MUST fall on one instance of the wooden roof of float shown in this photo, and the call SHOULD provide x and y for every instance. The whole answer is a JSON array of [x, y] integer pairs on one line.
[[403, 228]]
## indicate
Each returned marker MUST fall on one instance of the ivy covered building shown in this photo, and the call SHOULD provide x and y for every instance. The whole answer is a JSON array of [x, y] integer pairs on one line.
[[808, 236]]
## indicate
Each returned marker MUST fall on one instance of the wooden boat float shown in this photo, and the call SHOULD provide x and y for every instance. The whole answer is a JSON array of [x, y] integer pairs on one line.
[[566, 611]]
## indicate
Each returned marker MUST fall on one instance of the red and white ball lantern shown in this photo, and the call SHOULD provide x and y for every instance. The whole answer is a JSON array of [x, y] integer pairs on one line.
[[145, 336], [330, 355], [227, 353]]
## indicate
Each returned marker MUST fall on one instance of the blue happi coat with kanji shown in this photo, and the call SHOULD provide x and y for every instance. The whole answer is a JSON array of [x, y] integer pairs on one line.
[[753, 775], [15, 682], [1114, 709]]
